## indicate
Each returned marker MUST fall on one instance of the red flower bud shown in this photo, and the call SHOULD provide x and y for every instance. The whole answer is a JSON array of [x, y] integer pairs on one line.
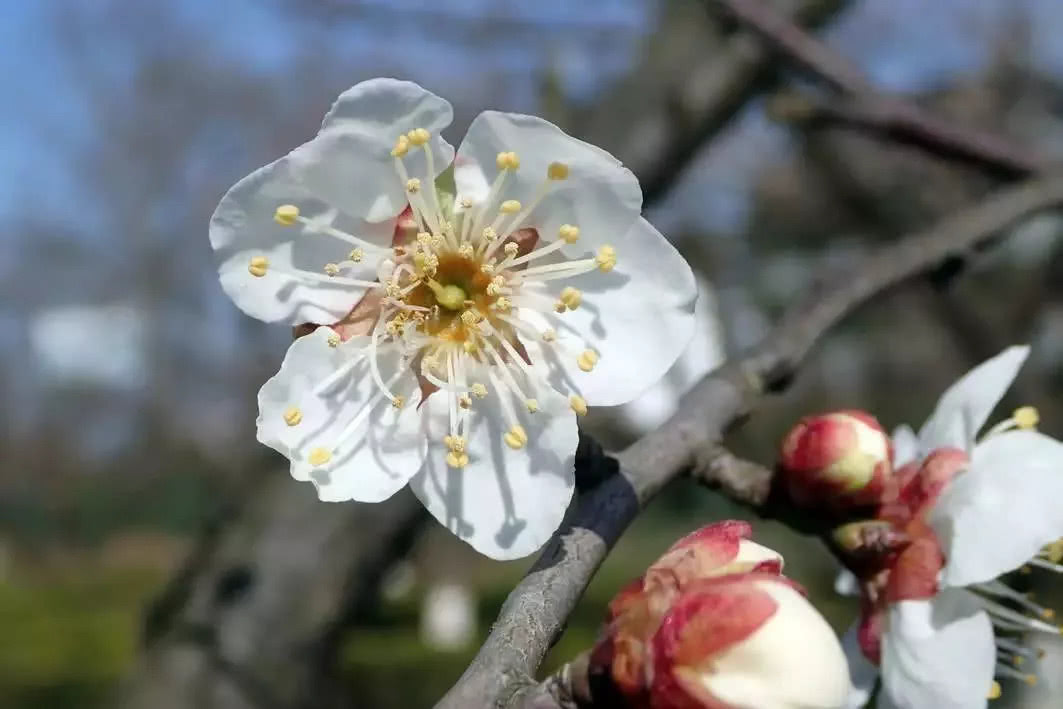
[[840, 459], [744, 641]]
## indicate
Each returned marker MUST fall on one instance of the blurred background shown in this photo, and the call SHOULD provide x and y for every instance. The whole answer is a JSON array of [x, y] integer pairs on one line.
[[153, 554]]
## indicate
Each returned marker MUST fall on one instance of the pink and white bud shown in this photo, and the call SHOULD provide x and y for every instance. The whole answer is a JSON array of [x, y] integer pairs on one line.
[[714, 550], [840, 459], [721, 550], [747, 641]]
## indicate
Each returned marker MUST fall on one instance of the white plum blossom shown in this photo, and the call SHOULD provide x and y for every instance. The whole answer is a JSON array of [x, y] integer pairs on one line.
[[464, 327], [999, 508]]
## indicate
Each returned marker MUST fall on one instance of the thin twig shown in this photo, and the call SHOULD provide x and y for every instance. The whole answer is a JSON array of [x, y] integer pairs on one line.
[[536, 611], [865, 108]]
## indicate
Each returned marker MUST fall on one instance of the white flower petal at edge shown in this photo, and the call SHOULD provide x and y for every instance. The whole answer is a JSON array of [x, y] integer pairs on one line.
[[374, 448], [966, 405], [505, 503], [996, 516], [862, 673], [243, 228], [905, 446], [642, 311], [600, 195], [935, 652], [349, 163], [344, 178]]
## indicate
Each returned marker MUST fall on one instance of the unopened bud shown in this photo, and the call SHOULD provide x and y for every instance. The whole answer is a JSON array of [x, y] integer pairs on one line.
[[747, 641], [840, 459]]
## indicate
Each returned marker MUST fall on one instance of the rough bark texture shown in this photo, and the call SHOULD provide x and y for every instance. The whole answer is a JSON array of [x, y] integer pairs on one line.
[[253, 621]]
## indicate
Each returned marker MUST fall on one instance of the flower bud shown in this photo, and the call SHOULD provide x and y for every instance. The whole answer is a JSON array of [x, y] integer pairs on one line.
[[717, 550], [840, 459], [747, 641]]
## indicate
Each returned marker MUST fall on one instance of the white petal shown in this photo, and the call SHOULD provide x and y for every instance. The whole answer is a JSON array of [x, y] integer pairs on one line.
[[600, 196], [905, 445], [846, 584], [243, 228], [996, 516], [639, 318], [862, 673], [938, 653], [505, 503], [381, 454], [963, 409], [349, 163]]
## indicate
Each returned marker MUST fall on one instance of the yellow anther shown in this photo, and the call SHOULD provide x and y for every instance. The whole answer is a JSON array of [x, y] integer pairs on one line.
[[510, 206], [293, 416], [1026, 417], [465, 203], [489, 234], [560, 307], [455, 443], [398, 402], [470, 347], [418, 136], [568, 233], [504, 304], [496, 285], [471, 317], [578, 404], [1048, 614], [334, 340], [286, 214], [587, 360], [557, 171], [319, 456], [478, 390], [465, 250], [399, 251], [457, 460], [413, 185], [464, 401], [606, 258], [332, 269], [549, 335], [1031, 680], [511, 249], [356, 255], [258, 266], [516, 438], [487, 268], [1018, 660], [571, 297], [994, 690], [424, 238], [402, 146], [507, 161], [532, 405]]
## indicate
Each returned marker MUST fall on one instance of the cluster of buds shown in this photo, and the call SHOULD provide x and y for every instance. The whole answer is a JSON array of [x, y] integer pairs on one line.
[[838, 460], [714, 624]]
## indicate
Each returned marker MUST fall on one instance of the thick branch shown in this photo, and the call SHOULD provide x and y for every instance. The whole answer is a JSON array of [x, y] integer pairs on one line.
[[895, 117], [536, 610]]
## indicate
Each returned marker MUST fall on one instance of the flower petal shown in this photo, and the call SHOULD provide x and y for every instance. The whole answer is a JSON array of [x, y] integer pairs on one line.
[[905, 446], [964, 407], [505, 503], [938, 653], [997, 516], [349, 163], [638, 318], [243, 228], [863, 675], [368, 462], [600, 195]]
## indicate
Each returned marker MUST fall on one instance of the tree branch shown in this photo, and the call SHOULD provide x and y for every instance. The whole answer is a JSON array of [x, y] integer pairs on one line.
[[864, 108], [536, 611]]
